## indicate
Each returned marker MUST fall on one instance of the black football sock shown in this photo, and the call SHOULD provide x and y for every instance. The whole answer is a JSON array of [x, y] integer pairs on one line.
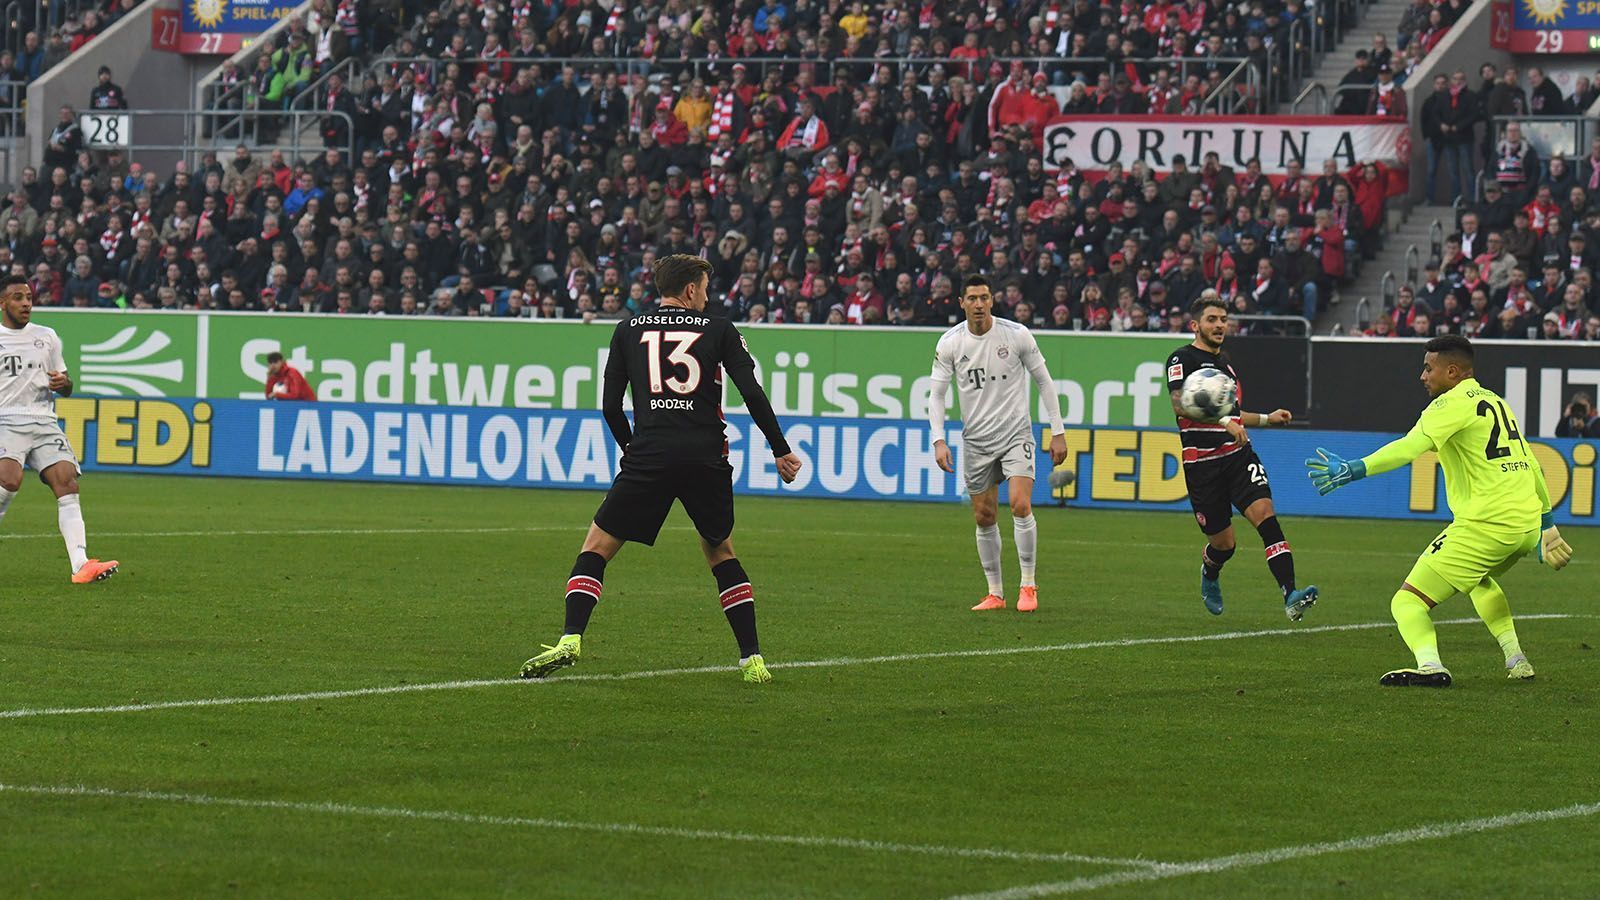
[[1280, 559], [738, 604], [1214, 559], [583, 590]]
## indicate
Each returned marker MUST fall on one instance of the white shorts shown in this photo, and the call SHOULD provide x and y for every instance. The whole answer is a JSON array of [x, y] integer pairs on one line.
[[986, 470], [38, 446]]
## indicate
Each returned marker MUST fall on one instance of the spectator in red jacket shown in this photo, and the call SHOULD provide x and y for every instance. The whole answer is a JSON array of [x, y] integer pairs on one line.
[[1327, 241], [284, 382]]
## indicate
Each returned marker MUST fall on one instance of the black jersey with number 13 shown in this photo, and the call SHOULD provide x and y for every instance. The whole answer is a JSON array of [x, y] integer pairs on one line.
[[674, 358]]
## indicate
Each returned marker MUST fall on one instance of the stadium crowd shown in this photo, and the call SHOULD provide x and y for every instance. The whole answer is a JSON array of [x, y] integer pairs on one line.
[[38, 37], [461, 179], [1521, 262]]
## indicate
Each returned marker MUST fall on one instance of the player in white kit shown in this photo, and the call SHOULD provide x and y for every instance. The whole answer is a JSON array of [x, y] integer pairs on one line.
[[33, 370], [991, 361]]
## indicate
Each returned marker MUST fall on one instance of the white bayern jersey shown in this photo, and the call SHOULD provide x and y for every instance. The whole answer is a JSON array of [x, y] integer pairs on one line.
[[991, 374], [26, 354]]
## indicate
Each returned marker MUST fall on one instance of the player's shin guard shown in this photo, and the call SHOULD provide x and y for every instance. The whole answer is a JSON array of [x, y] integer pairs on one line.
[[583, 590], [1212, 560], [1490, 602], [989, 557], [1025, 532], [738, 604], [69, 516], [1280, 559], [1416, 628]]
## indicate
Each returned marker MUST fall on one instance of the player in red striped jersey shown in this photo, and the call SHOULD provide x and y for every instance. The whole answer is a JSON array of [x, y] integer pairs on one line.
[[1222, 470]]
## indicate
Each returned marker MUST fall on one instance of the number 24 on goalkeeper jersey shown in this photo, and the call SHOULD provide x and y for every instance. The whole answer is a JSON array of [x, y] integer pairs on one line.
[[1490, 474]]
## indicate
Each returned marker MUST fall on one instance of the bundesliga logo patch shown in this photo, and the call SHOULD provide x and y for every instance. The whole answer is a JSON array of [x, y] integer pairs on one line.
[[1174, 371]]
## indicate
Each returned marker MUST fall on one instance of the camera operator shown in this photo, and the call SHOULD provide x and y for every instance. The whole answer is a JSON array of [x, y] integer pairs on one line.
[[1579, 419]]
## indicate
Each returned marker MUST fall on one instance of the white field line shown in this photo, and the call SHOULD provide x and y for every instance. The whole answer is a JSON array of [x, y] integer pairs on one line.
[[578, 529], [1282, 854], [843, 661], [621, 828]]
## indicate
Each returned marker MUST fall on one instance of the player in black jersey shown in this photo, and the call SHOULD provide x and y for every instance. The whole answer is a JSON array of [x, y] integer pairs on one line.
[[1221, 467], [673, 359]]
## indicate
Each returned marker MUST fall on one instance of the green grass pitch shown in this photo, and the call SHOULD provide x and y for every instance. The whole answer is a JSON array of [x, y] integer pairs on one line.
[[1106, 769]]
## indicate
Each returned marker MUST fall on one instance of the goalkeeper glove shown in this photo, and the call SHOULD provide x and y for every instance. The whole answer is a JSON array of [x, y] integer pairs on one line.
[[1553, 551], [1329, 471]]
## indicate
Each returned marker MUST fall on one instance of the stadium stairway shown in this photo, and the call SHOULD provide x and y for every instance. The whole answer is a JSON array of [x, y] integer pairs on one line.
[[1382, 17], [1412, 229]]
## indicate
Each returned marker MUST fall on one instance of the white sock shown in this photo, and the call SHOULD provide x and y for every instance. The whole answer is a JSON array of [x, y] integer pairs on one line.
[[1026, 533], [5, 501], [989, 556], [70, 517]]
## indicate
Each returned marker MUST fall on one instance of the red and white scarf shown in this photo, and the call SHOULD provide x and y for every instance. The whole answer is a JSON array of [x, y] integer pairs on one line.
[[614, 20], [721, 114], [808, 133]]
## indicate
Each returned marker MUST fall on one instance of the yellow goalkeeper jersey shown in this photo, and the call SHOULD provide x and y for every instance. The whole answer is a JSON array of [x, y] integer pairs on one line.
[[1490, 474]]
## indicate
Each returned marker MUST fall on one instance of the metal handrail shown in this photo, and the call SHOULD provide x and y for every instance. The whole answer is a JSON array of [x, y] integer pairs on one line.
[[1436, 239], [1391, 290], [1579, 129], [1316, 89], [1304, 323], [1363, 314], [345, 67], [1226, 94], [197, 121], [13, 13], [758, 64], [13, 117], [1413, 264]]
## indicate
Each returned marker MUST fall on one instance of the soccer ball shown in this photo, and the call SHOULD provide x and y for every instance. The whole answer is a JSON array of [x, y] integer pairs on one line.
[[1208, 395]]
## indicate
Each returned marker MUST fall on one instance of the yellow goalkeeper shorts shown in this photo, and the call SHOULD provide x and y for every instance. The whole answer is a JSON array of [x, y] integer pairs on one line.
[[1464, 554]]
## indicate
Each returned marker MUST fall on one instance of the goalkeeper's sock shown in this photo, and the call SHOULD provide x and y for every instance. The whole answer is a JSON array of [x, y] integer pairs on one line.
[[1025, 531], [1280, 559], [5, 501], [69, 515], [1490, 602], [989, 556], [583, 590], [738, 604], [1213, 560], [1416, 627]]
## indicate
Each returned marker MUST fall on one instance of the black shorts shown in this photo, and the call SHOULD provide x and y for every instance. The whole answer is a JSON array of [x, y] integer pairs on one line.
[[641, 497], [1236, 480]]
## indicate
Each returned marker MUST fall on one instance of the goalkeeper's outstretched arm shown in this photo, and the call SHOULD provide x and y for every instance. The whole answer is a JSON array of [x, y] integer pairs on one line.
[[1397, 453]]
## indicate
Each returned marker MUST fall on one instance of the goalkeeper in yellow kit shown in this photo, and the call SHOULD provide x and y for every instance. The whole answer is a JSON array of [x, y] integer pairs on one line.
[[1497, 495]]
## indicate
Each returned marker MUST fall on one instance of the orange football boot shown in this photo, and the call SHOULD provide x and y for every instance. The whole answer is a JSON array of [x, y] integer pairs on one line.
[[1028, 599], [94, 570], [993, 601]]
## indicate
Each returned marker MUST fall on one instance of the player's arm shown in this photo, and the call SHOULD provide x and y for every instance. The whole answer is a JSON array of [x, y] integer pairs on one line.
[[938, 395], [1262, 420], [1329, 471], [615, 386], [741, 367], [1034, 360], [60, 381], [1175, 374]]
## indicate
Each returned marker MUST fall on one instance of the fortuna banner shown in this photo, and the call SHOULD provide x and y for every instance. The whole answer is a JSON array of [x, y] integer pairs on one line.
[[1093, 143]]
